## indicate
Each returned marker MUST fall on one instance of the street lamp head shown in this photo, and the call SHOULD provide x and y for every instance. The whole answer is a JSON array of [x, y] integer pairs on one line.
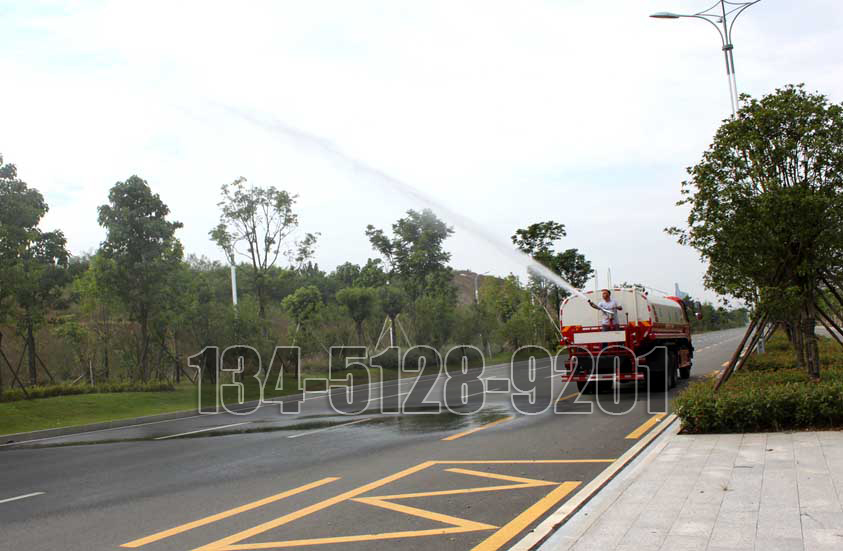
[[665, 15]]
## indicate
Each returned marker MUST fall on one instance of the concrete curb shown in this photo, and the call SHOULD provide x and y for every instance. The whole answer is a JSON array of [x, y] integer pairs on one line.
[[637, 454]]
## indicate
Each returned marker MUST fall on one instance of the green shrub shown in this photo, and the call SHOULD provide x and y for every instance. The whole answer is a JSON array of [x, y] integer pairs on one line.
[[68, 389], [769, 395]]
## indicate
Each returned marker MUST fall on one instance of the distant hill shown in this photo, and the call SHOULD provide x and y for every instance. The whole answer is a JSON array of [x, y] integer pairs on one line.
[[464, 281]]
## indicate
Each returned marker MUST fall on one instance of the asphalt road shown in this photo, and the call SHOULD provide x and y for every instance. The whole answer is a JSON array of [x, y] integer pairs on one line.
[[425, 479]]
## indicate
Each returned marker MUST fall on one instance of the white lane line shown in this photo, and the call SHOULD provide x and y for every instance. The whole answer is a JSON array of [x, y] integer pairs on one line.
[[33, 494], [201, 430], [328, 428]]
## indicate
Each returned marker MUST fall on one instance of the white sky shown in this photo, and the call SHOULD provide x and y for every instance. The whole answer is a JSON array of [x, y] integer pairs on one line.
[[511, 113]]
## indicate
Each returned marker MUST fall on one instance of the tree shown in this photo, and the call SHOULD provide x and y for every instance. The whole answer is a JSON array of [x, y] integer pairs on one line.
[[434, 319], [263, 218], [415, 254], [537, 240], [371, 274], [303, 305], [360, 302], [766, 208], [346, 274], [34, 262], [392, 300], [99, 303], [144, 254]]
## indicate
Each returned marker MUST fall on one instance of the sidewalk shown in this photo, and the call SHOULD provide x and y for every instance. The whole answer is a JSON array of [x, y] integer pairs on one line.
[[773, 491]]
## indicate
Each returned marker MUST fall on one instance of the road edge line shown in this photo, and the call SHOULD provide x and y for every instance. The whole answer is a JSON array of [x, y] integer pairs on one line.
[[549, 525], [26, 437]]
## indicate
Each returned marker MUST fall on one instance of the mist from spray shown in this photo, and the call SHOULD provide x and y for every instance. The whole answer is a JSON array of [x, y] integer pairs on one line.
[[330, 152]]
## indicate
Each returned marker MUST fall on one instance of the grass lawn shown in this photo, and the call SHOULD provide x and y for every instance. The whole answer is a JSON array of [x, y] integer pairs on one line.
[[82, 409]]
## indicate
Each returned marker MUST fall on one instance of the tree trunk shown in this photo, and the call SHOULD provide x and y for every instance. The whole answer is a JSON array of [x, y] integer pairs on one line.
[[30, 342], [144, 352], [1, 365], [178, 358], [259, 291], [360, 338], [809, 343], [797, 342]]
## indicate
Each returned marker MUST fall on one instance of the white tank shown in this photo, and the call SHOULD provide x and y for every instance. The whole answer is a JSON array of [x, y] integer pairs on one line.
[[637, 307]]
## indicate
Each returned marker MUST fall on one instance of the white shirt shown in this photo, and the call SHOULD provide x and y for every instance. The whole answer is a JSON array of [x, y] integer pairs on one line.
[[611, 306]]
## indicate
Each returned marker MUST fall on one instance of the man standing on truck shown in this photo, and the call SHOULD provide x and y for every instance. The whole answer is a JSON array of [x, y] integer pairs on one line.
[[608, 308]]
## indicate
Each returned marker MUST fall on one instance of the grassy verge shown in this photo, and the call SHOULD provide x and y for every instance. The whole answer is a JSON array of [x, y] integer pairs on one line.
[[67, 389], [82, 409], [769, 394]]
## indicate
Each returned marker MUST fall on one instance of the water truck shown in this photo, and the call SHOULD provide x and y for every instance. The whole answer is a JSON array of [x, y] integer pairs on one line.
[[650, 339]]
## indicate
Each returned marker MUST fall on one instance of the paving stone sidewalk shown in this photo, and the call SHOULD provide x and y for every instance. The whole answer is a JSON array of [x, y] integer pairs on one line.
[[770, 492]]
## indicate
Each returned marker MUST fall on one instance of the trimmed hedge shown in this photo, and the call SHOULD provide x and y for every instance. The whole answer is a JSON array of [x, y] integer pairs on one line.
[[768, 395], [67, 389]]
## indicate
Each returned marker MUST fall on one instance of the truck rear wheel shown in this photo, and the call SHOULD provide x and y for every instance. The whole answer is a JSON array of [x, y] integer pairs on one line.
[[662, 377], [587, 387]]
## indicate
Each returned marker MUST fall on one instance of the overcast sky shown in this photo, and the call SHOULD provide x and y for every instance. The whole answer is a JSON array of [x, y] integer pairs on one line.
[[510, 113]]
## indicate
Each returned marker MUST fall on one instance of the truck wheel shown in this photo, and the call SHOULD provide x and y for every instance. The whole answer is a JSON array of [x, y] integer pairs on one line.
[[673, 362], [586, 387], [657, 381], [657, 370], [684, 372]]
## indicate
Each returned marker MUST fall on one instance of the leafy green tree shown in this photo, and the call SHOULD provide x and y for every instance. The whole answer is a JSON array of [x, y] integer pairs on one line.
[[393, 299], [264, 220], [416, 254], [371, 274], [34, 262], [502, 300], [303, 306], [434, 318], [766, 208], [346, 274], [360, 303], [143, 253], [99, 305], [537, 240]]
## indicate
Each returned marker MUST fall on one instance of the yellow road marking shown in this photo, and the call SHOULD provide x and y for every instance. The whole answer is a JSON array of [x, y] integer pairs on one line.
[[522, 521], [519, 483], [574, 395], [350, 539], [468, 525], [522, 461], [229, 541], [645, 426], [225, 514], [497, 476], [476, 429], [458, 525]]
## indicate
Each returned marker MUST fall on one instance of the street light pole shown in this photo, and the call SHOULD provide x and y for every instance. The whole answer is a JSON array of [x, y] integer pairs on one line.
[[483, 339], [722, 14]]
